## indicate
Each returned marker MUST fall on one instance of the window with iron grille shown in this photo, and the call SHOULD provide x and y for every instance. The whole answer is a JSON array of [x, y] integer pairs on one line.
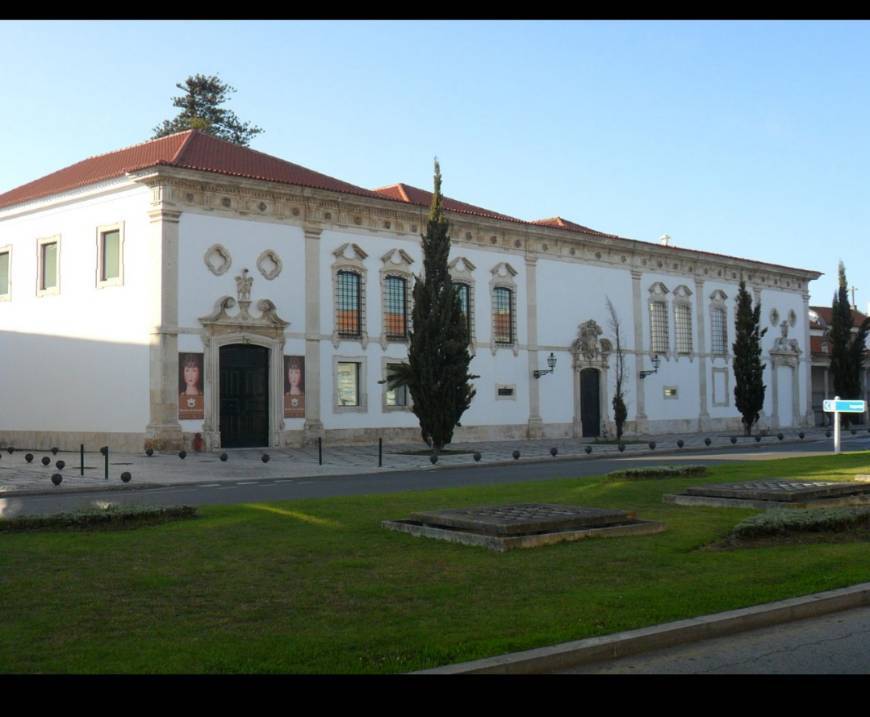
[[348, 313], [719, 331], [683, 315], [658, 318], [396, 310], [463, 291], [503, 315]]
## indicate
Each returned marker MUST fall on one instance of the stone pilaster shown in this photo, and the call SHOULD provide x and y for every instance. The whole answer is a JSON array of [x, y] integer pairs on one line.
[[640, 413], [313, 428], [701, 351], [163, 431], [807, 358], [535, 422]]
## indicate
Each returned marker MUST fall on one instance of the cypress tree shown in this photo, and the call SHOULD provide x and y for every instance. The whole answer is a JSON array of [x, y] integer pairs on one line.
[[748, 370], [436, 373], [847, 349]]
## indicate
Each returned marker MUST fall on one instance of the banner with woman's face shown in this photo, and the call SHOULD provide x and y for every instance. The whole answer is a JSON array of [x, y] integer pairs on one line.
[[190, 403], [294, 387]]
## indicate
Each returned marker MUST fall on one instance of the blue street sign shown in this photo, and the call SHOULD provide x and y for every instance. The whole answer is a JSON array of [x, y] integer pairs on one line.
[[844, 406]]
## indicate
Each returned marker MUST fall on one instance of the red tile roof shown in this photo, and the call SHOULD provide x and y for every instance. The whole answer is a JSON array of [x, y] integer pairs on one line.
[[826, 314], [560, 223], [190, 150], [413, 195]]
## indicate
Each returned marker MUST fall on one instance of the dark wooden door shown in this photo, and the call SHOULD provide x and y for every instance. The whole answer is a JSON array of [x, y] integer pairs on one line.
[[590, 403], [244, 396]]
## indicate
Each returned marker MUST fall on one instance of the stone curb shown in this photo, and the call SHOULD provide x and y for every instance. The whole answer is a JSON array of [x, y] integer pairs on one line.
[[633, 642], [438, 466]]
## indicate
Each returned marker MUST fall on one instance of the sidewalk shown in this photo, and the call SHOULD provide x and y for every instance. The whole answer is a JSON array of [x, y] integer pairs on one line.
[[17, 476]]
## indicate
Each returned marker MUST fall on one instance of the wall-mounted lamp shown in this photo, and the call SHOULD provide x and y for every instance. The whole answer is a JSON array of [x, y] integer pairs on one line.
[[551, 362], [655, 362]]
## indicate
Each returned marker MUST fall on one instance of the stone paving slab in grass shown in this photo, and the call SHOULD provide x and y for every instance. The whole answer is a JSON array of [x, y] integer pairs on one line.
[[774, 493], [524, 525]]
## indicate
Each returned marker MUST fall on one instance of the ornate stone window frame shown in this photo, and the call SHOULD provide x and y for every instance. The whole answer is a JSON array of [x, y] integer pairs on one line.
[[221, 251], [727, 391], [361, 385], [682, 297], [220, 328], [350, 257], [462, 272], [277, 264], [385, 361], [101, 248], [8, 295], [397, 263], [503, 277], [785, 352], [658, 294], [54, 290]]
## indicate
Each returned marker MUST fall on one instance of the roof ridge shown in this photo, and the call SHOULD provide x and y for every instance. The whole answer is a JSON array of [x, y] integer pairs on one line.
[[191, 132], [397, 185], [130, 146]]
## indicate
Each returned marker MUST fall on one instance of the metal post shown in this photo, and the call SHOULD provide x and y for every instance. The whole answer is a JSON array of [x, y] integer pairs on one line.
[[380, 452], [82, 458], [319, 450], [836, 427], [107, 463]]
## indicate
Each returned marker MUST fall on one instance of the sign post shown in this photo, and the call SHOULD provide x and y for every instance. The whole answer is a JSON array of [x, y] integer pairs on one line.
[[837, 407]]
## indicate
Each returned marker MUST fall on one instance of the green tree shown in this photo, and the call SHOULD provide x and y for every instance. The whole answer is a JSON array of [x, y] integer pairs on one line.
[[201, 109], [620, 411], [748, 370], [847, 348], [436, 372]]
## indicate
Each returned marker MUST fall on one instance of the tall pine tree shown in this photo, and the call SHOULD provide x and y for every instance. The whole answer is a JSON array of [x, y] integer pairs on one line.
[[436, 373], [847, 348], [748, 370], [201, 109]]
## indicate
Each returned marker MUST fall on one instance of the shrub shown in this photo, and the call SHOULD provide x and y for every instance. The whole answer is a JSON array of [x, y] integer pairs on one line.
[[656, 472], [817, 520], [111, 517]]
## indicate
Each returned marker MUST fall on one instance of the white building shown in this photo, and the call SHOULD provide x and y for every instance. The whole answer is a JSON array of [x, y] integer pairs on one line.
[[119, 270]]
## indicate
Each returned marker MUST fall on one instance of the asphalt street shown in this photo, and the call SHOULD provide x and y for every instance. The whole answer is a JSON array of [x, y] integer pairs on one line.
[[244, 491]]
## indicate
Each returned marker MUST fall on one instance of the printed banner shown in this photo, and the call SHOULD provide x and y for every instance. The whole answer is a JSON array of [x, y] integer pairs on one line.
[[294, 387], [190, 405]]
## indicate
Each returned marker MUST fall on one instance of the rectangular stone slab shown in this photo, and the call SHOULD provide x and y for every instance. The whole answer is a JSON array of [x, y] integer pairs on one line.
[[783, 490], [523, 518]]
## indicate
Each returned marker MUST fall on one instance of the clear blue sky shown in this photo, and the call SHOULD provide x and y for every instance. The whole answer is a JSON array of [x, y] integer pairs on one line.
[[746, 138]]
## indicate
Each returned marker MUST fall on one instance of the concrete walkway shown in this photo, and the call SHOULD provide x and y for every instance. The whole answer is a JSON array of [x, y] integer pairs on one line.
[[17, 476]]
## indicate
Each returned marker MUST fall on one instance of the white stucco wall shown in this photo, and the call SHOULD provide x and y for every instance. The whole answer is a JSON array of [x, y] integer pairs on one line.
[[77, 360]]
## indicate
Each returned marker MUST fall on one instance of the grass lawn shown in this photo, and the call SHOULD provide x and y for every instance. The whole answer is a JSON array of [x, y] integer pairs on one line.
[[318, 586]]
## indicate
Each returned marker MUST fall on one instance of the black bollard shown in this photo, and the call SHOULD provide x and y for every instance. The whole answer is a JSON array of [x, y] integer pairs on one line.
[[680, 443], [707, 441], [801, 435], [265, 458], [758, 439], [319, 451], [105, 450], [46, 460], [476, 457], [182, 454], [380, 452], [733, 440], [149, 451], [82, 459], [56, 478], [621, 447], [60, 465], [125, 476], [54, 451], [433, 459], [554, 451], [516, 455], [652, 445], [588, 450], [28, 457], [779, 436], [223, 457]]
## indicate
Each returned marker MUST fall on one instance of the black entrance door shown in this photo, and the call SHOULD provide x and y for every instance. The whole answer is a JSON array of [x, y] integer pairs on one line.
[[244, 396], [590, 404]]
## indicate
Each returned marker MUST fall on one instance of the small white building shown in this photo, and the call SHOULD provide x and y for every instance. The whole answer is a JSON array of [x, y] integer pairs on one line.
[[191, 286]]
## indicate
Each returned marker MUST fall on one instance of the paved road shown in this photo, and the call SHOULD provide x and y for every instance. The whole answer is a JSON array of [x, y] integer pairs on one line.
[[248, 490], [837, 644]]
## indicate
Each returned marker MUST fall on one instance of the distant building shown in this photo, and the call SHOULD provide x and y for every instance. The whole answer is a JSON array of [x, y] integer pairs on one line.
[[191, 286], [820, 346]]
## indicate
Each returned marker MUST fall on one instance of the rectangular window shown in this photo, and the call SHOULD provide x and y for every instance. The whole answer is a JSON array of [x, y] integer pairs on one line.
[[110, 250], [397, 396], [48, 266], [348, 306], [683, 314], [718, 331], [4, 273], [463, 291], [503, 313], [670, 391], [347, 383], [658, 315], [396, 315]]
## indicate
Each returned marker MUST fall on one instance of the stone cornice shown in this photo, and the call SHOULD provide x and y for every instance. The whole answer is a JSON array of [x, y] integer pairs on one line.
[[207, 192]]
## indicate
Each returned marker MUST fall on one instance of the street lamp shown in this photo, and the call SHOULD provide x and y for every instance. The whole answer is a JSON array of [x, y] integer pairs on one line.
[[551, 362], [655, 362]]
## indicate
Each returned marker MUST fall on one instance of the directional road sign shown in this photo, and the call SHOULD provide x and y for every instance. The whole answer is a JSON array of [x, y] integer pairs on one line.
[[833, 406]]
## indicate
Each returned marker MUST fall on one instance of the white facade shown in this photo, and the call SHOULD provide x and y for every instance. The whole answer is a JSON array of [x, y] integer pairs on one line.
[[94, 363]]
